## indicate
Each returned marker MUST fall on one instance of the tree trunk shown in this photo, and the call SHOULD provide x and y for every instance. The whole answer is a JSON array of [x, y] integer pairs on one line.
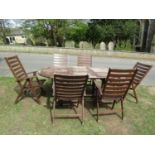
[[150, 35], [2, 26]]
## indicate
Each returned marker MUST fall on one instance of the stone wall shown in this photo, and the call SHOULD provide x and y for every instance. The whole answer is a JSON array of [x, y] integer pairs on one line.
[[85, 45], [70, 44], [75, 51]]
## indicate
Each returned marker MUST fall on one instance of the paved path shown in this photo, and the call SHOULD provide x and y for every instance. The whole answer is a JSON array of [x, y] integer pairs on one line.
[[37, 61]]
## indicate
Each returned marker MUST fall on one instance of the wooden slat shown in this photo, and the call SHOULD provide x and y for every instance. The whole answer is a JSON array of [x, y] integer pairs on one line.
[[85, 60], [60, 60], [16, 67], [67, 115], [118, 83], [15, 64], [113, 75], [142, 70], [71, 88]]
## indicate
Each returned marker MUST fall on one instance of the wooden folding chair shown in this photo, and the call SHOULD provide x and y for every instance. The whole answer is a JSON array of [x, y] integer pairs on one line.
[[28, 83], [60, 60], [142, 70], [116, 86], [69, 90], [85, 60]]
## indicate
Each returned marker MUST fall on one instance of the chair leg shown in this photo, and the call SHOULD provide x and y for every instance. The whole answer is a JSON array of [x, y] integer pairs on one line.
[[48, 102], [135, 95], [113, 105], [20, 96], [93, 87], [82, 110], [53, 111], [122, 109], [97, 110], [36, 99]]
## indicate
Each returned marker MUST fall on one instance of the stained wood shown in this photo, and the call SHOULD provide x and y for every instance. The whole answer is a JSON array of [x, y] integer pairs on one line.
[[26, 85], [116, 86], [69, 88], [84, 60], [60, 60], [142, 71]]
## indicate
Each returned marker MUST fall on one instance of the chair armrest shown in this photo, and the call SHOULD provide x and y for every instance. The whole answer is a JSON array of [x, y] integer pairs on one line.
[[34, 73], [27, 78], [98, 87]]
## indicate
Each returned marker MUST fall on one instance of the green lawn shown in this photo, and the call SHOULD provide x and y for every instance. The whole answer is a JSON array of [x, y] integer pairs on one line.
[[27, 117]]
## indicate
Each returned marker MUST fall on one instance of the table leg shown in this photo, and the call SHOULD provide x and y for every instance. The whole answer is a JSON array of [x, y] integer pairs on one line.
[[48, 101]]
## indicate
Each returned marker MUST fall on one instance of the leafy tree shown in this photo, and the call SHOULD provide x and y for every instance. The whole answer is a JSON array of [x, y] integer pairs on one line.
[[94, 33], [111, 30], [77, 31], [56, 31], [52, 30], [4, 29], [27, 29]]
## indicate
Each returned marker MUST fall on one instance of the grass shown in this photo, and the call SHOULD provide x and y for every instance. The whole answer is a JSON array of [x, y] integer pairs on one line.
[[27, 117]]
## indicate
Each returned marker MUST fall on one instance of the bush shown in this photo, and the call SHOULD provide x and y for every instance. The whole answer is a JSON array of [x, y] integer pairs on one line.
[[1, 41], [40, 41], [124, 45], [97, 46], [29, 41]]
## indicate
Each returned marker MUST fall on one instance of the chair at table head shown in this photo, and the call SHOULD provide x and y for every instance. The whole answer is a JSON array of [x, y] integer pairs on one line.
[[60, 60], [85, 60]]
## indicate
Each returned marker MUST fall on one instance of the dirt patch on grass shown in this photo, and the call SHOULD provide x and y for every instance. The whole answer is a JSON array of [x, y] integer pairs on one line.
[[145, 101], [151, 90], [114, 125]]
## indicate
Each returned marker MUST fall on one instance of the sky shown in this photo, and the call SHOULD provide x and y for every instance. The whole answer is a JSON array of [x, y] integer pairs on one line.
[[15, 22]]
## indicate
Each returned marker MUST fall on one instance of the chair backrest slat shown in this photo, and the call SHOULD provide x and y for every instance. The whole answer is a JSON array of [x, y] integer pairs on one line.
[[60, 60], [142, 70], [85, 60], [118, 82], [16, 67], [69, 87]]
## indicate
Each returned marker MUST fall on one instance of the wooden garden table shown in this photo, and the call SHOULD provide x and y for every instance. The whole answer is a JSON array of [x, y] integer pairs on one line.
[[92, 72]]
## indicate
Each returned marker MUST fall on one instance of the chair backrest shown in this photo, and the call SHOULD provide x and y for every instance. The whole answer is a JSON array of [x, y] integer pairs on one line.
[[60, 60], [85, 60], [69, 87], [142, 70], [16, 67], [118, 82]]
